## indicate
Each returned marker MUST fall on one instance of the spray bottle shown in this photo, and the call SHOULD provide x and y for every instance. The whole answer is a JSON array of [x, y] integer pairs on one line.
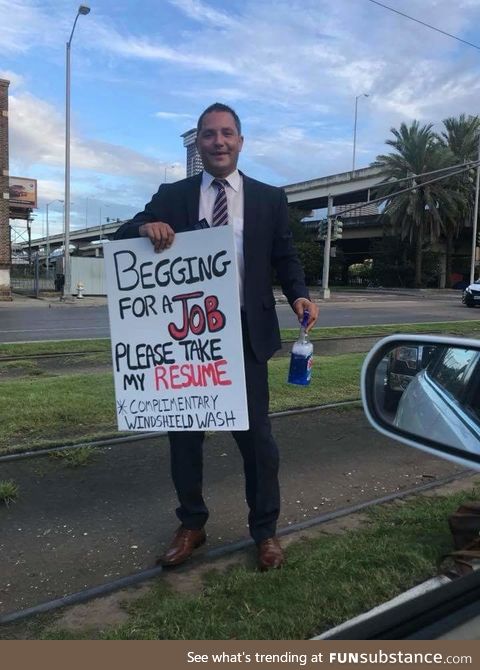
[[301, 358]]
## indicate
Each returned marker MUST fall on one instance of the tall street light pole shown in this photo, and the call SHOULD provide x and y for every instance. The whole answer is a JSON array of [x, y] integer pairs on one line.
[[48, 235], [167, 167], [82, 10], [362, 95], [100, 219], [326, 250]]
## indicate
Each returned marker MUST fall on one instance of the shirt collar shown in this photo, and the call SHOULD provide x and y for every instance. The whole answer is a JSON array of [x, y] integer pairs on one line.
[[233, 180]]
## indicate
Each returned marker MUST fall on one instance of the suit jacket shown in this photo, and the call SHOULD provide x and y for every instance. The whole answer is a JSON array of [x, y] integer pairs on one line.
[[267, 243]]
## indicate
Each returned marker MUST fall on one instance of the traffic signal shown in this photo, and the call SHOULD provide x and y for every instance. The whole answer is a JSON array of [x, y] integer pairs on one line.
[[478, 238], [323, 229], [337, 229]]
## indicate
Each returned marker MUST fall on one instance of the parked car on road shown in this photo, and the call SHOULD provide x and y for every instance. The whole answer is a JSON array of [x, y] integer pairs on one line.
[[471, 294]]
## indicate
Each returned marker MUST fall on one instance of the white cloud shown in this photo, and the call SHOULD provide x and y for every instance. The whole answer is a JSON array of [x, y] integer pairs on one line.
[[37, 137], [173, 115], [147, 49], [27, 25], [201, 11], [99, 169], [16, 80]]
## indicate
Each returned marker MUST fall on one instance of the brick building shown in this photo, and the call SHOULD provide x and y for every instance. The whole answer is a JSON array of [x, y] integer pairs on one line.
[[5, 262]]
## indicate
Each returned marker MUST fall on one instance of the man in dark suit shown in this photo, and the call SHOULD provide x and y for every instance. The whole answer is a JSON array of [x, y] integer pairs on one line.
[[258, 212]]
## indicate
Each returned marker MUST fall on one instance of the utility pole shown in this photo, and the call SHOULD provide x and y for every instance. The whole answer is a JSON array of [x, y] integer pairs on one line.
[[83, 10], [475, 217], [362, 95], [29, 234], [326, 251]]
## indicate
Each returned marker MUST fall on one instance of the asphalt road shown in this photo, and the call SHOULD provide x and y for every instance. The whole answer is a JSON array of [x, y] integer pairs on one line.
[[35, 321]]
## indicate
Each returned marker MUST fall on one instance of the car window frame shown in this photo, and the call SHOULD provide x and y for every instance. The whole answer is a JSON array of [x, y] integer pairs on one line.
[[372, 360], [466, 382]]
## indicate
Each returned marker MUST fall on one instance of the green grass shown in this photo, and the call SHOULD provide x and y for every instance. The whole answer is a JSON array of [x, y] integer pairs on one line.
[[334, 378], [34, 412], [76, 458], [453, 328], [324, 582], [22, 366], [8, 491], [72, 408], [60, 346], [34, 367], [65, 409]]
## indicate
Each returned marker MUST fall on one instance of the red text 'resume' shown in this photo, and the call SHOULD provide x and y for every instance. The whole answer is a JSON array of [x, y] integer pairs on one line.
[[191, 374]]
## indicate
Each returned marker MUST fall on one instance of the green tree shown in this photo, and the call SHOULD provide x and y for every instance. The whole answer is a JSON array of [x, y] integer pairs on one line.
[[460, 137], [310, 254], [418, 215], [300, 232]]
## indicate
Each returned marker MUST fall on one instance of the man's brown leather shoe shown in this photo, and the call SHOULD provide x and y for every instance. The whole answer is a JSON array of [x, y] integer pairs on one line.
[[184, 543], [270, 554]]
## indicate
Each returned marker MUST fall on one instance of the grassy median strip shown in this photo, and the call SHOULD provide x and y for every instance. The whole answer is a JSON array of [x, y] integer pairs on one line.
[[36, 412], [452, 328], [53, 347], [469, 328], [40, 409], [325, 581]]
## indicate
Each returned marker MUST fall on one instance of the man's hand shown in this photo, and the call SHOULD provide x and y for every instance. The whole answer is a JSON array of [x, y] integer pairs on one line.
[[159, 233], [300, 305]]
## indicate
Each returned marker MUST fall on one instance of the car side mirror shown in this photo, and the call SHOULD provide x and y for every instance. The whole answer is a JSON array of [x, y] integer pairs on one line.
[[425, 392]]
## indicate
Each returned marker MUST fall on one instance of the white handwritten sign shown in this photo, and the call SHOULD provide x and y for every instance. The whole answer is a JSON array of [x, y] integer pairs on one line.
[[176, 333]]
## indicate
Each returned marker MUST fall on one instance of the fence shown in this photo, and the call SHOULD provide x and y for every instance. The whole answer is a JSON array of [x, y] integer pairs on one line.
[[32, 278]]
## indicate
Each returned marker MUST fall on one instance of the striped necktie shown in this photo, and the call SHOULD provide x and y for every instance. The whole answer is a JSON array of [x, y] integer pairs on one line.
[[220, 208]]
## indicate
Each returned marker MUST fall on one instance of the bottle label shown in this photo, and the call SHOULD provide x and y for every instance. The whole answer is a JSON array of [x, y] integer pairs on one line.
[[300, 369]]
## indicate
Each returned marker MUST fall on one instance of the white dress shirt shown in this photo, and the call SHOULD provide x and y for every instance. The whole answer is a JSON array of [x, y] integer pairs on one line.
[[234, 193]]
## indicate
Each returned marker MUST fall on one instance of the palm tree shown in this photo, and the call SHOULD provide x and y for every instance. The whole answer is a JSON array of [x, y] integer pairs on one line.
[[417, 215], [461, 138]]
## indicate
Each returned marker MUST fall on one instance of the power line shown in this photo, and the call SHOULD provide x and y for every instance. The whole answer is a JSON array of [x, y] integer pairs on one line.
[[474, 164], [427, 25], [448, 170]]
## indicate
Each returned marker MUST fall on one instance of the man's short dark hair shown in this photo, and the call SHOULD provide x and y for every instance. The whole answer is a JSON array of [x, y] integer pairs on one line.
[[220, 107]]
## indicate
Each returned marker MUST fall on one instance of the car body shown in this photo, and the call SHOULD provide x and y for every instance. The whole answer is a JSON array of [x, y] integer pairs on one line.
[[471, 294], [443, 401]]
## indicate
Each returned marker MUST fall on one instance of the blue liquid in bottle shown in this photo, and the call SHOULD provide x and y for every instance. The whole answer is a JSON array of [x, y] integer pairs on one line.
[[301, 358]]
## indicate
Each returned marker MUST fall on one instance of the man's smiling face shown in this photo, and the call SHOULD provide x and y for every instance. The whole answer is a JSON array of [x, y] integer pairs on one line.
[[219, 143]]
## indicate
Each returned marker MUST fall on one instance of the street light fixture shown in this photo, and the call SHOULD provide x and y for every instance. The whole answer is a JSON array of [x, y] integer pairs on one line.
[[168, 167], [48, 234], [362, 95], [100, 219], [82, 10]]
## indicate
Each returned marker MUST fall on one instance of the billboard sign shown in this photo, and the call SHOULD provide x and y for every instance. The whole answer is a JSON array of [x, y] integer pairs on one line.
[[22, 192]]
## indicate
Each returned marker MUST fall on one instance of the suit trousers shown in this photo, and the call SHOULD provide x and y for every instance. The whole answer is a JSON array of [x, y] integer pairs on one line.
[[257, 447]]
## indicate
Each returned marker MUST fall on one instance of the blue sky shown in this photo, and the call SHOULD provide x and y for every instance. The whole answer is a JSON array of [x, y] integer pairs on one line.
[[143, 70]]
